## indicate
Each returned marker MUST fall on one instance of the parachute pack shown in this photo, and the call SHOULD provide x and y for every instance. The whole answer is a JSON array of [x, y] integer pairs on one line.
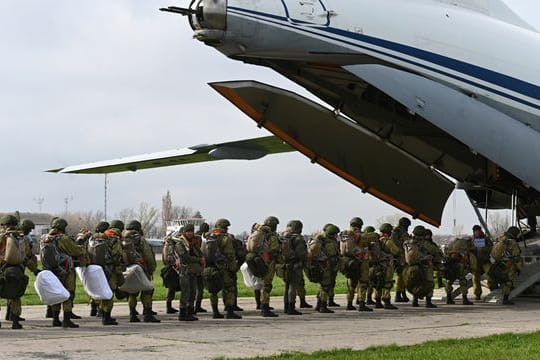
[[13, 281], [15, 251], [51, 257], [130, 247], [210, 249], [99, 250]]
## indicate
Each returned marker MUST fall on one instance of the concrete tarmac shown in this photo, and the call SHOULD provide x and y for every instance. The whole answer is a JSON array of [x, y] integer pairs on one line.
[[255, 335]]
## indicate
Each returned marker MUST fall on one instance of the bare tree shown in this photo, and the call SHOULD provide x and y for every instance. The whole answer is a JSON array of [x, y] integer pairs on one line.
[[498, 223], [125, 215], [148, 217], [82, 219], [391, 219], [166, 211]]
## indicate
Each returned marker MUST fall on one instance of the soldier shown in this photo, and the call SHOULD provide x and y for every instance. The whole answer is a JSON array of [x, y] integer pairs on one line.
[[324, 253], [219, 252], [301, 291], [293, 254], [271, 254], [418, 275], [506, 262], [57, 242], [386, 262], [82, 240], [105, 249], [400, 236], [136, 250], [355, 251], [191, 264], [169, 273], [240, 253], [457, 267], [437, 261], [14, 257], [203, 229], [483, 246]]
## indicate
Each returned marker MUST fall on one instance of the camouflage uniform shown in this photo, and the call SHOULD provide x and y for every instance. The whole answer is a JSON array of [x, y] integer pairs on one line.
[[506, 262], [9, 228], [324, 251], [457, 266], [382, 270], [66, 273], [292, 257], [170, 263], [400, 237], [483, 246]]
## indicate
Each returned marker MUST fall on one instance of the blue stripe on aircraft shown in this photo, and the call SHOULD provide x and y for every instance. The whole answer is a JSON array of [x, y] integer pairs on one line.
[[477, 72]]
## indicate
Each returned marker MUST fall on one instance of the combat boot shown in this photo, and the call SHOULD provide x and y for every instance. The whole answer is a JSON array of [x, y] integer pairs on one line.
[[318, 306], [75, 316], [415, 301], [507, 301], [332, 303], [236, 307], [170, 309], [398, 298], [291, 309], [133, 318], [449, 300], [15, 325], [388, 305], [8, 311], [216, 314], [266, 312], [198, 308], [429, 304], [189, 314], [304, 304], [258, 299], [67, 323], [350, 305], [369, 300], [182, 314], [49, 313], [478, 297], [466, 300], [232, 315], [378, 303], [324, 308], [106, 319], [93, 309], [404, 296], [363, 307], [148, 316], [56, 318]]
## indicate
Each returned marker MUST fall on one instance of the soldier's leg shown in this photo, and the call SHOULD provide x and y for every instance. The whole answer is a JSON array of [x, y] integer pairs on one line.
[[400, 284], [464, 288], [430, 284], [324, 294], [236, 307], [352, 284], [15, 313], [214, 304], [187, 285], [67, 305], [132, 303], [388, 283], [200, 293], [171, 293], [363, 283], [301, 291], [507, 287], [294, 280], [449, 287], [55, 309], [369, 296], [106, 309], [146, 300], [228, 295], [331, 293], [266, 291]]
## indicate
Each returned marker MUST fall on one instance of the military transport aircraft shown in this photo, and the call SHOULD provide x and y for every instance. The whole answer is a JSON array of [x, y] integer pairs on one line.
[[420, 92]]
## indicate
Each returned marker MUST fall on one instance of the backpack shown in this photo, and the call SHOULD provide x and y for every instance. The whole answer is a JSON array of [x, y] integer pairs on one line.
[[99, 250], [210, 249], [130, 248], [52, 259], [286, 248], [240, 251], [13, 281], [15, 251], [257, 239]]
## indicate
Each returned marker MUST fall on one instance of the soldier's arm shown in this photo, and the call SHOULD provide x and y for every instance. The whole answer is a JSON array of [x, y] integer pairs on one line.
[[30, 260], [273, 244], [67, 246], [149, 256]]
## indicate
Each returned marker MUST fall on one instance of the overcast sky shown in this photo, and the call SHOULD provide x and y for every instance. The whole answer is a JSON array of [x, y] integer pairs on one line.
[[84, 81]]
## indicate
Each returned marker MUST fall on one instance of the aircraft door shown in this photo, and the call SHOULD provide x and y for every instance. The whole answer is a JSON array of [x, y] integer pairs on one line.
[[306, 12]]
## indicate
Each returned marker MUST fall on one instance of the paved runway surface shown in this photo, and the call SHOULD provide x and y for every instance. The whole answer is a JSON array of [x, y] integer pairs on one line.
[[254, 335]]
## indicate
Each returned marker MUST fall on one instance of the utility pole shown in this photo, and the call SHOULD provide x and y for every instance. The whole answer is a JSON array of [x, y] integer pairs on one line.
[[105, 196], [67, 199], [39, 201]]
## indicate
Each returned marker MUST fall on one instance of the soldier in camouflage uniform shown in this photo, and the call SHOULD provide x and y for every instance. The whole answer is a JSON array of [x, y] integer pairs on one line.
[[387, 249], [66, 272], [292, 257], [324, 252], [82, 240], [136, 250], [191, 264], [457, 267], [438, 261], [203, 229], [506, 262], [26, 259], [219, 251], [483, 246], [400, 236], [355, 252]]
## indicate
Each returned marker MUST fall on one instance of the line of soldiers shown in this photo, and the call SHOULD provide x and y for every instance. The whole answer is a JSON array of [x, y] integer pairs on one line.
[[211, 259]]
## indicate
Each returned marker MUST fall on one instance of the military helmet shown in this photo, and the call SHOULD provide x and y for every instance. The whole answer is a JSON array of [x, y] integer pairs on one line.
[[369, 229], [102, 226], [271, 222], [513, 232], [117, 224], [59, 224], [386, 228], [189, 228], [9, 220], [27, 225], [331, 230], [204, 227], [429, 232], [476, 227], [356, 222], [405, 222], [295, 226], [134, 225], [222, 224], [419, 230]]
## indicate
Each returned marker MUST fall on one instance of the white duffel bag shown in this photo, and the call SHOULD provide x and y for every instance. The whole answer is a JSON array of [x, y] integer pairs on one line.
[[135, 280], [49, 289], [251, 281], [94, 282]]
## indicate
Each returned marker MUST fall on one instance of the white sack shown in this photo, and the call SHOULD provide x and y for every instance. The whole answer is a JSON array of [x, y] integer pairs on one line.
[[94, 282], [49, 289], [251, 280], [135, 280]]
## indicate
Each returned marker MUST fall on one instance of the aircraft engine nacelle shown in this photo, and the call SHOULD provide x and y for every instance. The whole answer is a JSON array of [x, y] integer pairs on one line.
[[209, 19]]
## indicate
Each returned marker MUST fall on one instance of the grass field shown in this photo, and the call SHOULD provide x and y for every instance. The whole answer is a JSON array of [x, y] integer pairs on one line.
[[496, 347], [31, 298]]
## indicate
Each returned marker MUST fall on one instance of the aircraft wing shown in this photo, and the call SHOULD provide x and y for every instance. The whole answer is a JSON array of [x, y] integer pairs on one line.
[[249, 149]]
